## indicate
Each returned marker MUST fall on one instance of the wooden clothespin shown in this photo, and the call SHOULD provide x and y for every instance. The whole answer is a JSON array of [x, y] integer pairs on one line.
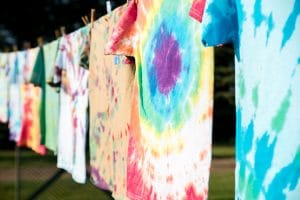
[[92, 17], [6, 49], [15, 47], [40, 41], [108, 6], [57, 34], [84, 21], [135, 1], [63, 30], [27, 45]]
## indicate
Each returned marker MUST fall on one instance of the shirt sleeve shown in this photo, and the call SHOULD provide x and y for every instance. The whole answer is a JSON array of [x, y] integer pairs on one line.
[[85, 51], [197, 9], [123, 38], [38, 73], [220, 22], [59, 63]]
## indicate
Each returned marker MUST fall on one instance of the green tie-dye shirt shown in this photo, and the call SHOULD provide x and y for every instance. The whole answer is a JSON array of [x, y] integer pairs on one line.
[[43, 71]]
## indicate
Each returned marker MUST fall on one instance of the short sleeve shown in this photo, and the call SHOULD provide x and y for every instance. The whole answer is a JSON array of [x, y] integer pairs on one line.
[[59, 62], [197, 9], [38, 73], [123, 38], [220, 22], [85, 51]]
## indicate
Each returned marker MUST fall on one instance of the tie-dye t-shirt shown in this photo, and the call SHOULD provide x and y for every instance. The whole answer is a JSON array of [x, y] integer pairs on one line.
[[170, 134], [266, 38], [110, 94], [31, 98], [3, 88], [16, 64], [49, 111], [73, 104]]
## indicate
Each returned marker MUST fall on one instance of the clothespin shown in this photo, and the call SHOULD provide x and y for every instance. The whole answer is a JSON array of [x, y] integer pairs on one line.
[[63, 30], [108, 6], [57, 34], [15, 47], [26, 45], [92, 17], [135, 1], [6, 49], [84, 21], [40, 41]]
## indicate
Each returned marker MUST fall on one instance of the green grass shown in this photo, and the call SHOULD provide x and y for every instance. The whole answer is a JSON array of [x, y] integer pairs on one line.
[[221, 184], [69, 190], [29, 158], [7, 190], [223, 152], [63, 189]]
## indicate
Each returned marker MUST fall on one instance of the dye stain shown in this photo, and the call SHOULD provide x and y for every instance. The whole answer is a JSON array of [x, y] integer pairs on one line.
[[167, 61]]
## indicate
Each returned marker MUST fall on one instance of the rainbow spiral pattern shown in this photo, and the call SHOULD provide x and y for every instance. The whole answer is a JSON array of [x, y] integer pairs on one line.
[[170, 140]]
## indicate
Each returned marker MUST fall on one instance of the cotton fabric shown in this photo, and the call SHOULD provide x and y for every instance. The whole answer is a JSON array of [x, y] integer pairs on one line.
[[266, 39], [170, 132]]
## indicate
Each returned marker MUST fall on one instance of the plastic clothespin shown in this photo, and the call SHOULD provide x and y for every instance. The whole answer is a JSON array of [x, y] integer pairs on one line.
[[108, 6]]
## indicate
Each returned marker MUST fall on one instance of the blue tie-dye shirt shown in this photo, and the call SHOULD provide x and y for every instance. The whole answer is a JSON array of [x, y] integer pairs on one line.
[[266, 38]]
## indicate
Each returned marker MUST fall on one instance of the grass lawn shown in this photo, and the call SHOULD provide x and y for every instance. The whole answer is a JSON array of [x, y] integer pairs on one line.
[[221, 185], [223, 152]]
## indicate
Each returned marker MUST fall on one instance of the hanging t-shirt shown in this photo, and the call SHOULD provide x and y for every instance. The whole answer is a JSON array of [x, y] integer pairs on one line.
[[73, 103], [3, 88], [16, 64], [170, 134], [266, 38], [49, 110], [31, 97], [110, 94]]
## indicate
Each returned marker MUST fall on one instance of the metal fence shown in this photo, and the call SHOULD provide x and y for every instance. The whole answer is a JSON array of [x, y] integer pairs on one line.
[[37, 177], [26, 175]]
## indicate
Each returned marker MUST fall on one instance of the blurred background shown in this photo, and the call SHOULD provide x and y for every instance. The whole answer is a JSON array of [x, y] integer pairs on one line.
[[23, 173]]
